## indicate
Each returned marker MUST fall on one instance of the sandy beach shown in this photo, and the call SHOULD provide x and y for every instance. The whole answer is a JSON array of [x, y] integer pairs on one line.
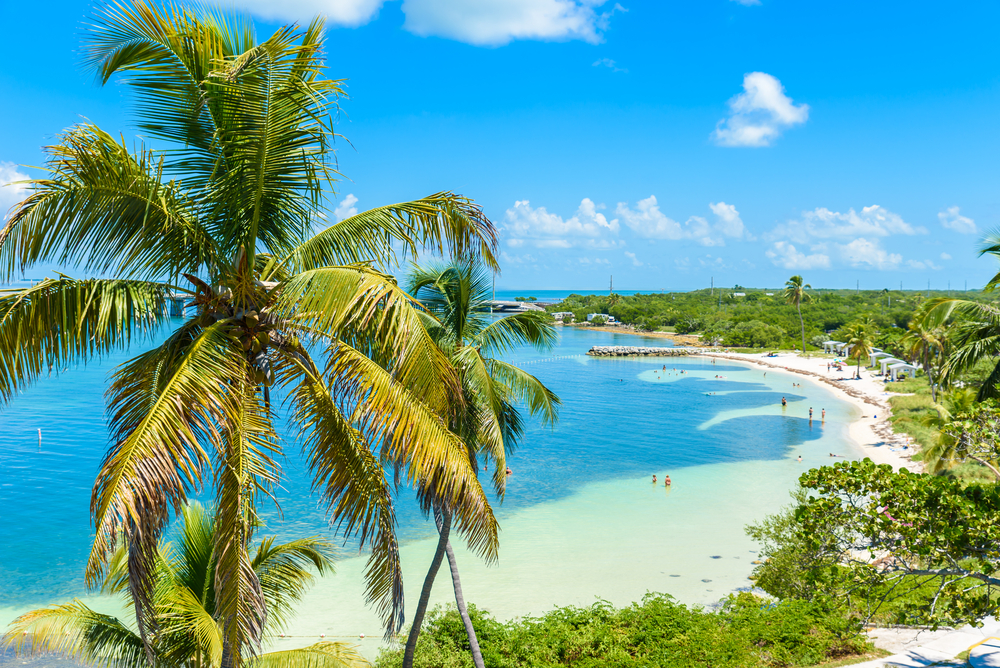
[[872, 431]]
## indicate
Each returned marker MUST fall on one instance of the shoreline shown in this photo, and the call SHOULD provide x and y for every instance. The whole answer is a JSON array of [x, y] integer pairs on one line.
[[872, 431]]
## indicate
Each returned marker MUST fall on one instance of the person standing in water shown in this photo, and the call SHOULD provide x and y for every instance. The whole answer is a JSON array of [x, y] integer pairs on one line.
[[783, 402], [810, 413]]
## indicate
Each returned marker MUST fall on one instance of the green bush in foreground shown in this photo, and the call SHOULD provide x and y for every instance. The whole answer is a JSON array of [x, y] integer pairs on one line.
[[746, 631]]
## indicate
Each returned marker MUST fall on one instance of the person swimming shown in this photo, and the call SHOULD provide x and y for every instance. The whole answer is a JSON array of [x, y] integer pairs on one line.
[[800, 458]]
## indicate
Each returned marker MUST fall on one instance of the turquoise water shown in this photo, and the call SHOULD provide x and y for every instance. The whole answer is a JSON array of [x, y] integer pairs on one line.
[[580, 519]]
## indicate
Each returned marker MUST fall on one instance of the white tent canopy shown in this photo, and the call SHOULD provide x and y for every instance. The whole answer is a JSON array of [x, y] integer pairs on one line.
[[877, 355], [829, 346], [896, 368], [889, 360]]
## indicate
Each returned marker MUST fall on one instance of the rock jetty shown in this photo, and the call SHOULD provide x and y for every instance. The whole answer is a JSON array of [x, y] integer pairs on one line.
[[640, 351]]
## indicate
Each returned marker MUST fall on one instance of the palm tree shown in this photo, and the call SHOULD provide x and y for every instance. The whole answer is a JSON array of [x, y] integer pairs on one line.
[[943, 453], [234, 205], [926, 344], [190, 630], [488, 419], [859, 337], [974, 337], [795, 293]]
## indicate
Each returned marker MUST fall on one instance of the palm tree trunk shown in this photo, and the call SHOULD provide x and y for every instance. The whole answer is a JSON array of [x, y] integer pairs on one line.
[[470, 631], [930, 376], [425, 593], [802, 325]]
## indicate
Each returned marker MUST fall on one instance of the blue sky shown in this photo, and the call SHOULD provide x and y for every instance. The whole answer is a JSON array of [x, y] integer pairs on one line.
[[666, 143]]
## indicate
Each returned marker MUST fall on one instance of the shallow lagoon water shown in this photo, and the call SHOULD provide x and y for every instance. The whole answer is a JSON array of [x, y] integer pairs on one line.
[[581, 518]]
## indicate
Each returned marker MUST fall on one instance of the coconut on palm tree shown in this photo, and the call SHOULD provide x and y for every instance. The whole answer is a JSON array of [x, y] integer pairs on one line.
[[227, 212], [185, 611], [795, 293], [488, 420]]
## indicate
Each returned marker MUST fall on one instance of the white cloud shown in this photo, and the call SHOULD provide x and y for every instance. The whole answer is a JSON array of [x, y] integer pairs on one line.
[[596, 260], [821, 223], [350, 13], [784, 254], [497, 22], [635, 261], [346, 208], [729, 222], [538, 227], [610, 64], [945, 256], [953, 220], [869, 255], [11, 192], [925, 264], [649, 222], [759, 114]]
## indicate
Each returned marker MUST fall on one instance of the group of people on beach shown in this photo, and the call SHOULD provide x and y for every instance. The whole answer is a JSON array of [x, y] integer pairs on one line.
[[666, 480]]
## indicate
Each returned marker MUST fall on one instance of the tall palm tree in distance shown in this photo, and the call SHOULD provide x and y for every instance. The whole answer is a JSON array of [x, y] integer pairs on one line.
[[859, 337], [190, 632], [488, 420], [925, 343], [795, 293], [228, 213]]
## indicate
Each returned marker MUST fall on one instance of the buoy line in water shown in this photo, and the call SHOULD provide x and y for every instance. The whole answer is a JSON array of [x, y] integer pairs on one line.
[[549, 359]]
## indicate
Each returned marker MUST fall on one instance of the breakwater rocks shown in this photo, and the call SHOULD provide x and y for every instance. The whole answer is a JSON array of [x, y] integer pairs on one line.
[[640, 351]]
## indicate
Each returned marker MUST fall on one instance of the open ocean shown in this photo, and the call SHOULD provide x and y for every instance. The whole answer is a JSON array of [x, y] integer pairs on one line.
[[581, 518]]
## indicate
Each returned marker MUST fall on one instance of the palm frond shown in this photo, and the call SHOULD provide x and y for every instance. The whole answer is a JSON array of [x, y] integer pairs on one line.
[[351, 480], [443, 223], [107, 210], [165, 405], [61, 321], [528, 328], [245, 470], [411, 434], [325, 654], [526, 389], [76, 632], [370, 312], [187, 628], [284, 573]]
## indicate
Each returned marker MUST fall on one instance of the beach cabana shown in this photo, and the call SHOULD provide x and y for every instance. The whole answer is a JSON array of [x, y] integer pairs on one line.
[[877, 355], [905, 366], [830, 346], [886, 361]]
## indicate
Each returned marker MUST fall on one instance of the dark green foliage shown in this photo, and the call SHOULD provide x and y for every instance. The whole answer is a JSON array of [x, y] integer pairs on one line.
[[747, 631], [720, 312], [886, 546]]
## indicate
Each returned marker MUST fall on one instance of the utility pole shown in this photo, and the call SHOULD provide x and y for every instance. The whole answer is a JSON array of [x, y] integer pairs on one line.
[[857, 288], [494, 292], [611, 288], [712, 294]]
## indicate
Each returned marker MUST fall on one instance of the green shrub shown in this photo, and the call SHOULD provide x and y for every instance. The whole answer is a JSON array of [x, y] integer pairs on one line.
[[746, 631]]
